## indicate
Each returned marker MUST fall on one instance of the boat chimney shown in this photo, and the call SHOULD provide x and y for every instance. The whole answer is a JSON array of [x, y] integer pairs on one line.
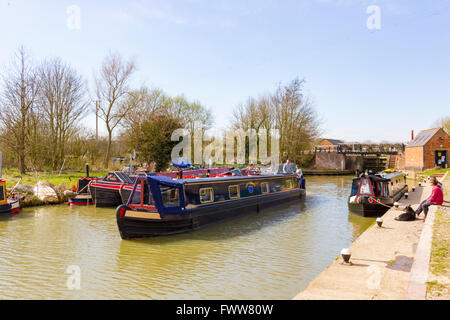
[[412, 135], [87, 170]]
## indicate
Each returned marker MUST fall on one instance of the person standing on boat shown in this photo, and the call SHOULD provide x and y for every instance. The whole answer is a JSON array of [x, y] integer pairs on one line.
[[180, 173], [287, 167], [436, 198], [299, 171]]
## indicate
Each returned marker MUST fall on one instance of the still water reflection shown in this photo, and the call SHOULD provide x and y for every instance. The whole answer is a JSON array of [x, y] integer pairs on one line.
[[270, 255]]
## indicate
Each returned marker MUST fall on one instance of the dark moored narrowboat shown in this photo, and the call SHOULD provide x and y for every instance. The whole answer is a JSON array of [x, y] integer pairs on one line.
[[83, 196], [169, 206], [372, 195], [8, 205], [106, 192]]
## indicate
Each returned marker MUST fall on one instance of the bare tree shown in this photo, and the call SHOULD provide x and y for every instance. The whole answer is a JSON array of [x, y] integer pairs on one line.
[[190, 112], [287, 110], [18, 100], [443, 123], [112, 90], [63, 104]]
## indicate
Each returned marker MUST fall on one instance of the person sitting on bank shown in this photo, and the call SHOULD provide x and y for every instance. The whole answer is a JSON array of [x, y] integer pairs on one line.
[[287, 167], [436, 198]]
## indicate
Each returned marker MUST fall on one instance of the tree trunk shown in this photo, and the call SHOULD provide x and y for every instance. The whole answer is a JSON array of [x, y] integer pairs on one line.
[[108, 149]]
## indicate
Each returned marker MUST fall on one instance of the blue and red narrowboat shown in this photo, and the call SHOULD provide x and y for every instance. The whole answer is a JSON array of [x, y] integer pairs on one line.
[[8, 205], [159, 205], [372, 195], [125, 191]]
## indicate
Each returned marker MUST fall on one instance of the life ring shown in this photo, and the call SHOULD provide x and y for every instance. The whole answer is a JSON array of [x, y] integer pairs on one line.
[[250, 187]]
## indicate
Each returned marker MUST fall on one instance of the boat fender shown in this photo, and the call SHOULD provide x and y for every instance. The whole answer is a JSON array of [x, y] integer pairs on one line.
[[120, 211]]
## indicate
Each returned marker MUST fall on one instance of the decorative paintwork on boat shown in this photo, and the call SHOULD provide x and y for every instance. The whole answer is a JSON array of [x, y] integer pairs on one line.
[[372, 195], [8, 205], [169, 206]]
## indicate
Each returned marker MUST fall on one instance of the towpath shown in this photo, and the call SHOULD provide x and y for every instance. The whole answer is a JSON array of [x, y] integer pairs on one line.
[[384, 260]]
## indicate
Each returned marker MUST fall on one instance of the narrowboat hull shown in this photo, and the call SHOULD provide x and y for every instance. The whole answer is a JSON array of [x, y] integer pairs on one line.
[[105, 195], [12, 206], [80, 200], [134, 224], [106, 192], [366, 208]]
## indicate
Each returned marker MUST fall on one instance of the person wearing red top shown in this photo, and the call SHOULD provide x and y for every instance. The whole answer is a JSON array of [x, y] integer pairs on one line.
[[436, 198]]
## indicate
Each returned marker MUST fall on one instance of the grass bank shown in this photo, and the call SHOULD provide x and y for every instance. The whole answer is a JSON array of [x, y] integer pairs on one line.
[[59, 182], [439, 277], [431, 172], [66, 179]]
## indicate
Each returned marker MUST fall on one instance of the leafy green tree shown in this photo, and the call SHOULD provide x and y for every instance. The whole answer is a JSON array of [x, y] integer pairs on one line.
[[155, 144]]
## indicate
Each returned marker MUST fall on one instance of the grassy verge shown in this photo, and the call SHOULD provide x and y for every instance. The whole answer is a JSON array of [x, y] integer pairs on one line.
[[60, 183], [66, 179], [439, 277], [431, 172]]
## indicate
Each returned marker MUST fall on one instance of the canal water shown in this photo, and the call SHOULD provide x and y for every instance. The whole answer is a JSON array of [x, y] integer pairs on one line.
[[270, 255]]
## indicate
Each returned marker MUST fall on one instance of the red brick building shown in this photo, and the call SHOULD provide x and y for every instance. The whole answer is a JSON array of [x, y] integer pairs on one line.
[[429, 149], [330, 144]]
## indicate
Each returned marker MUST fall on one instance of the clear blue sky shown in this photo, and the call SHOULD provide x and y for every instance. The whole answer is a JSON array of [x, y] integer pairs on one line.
[[366, 84]]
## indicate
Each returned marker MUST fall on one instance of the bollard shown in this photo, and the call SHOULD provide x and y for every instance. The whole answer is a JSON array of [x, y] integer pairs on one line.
[[346, 254], [406, 195], [396, 204], [379, 222], [413, 189]]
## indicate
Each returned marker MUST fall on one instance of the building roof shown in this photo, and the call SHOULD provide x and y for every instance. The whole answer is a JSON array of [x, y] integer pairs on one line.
[[334, 141], [423, 137]]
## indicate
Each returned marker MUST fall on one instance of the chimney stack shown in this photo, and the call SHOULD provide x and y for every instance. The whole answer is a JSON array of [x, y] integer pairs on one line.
[[412, 135]]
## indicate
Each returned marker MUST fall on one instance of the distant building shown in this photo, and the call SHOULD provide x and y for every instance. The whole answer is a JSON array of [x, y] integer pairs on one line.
[[330, 145], [429, 149]]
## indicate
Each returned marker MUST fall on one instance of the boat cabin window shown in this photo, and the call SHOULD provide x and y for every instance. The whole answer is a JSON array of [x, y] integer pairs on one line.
[[170, 196], [2, 192], [111, 177], [206, 195], [355, 186], [234, 192], [264, 187], [147, 198], [365, 187], [288, 184]]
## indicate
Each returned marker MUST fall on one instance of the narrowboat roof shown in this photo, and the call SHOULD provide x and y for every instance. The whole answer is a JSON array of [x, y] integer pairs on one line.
[[382, 176], [123, 177], [391, 175], [178, 182]]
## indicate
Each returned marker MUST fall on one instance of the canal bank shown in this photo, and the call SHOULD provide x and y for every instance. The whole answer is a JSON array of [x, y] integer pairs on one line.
[[385, 261], [269, 255]]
